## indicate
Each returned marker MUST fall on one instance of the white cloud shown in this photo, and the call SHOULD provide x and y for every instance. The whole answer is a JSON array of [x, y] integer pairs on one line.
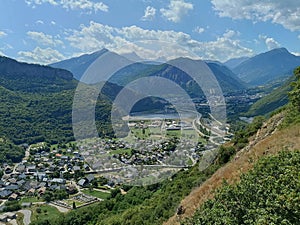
[[296, 53], [270, 42], [225, 47], [286, 13], [2, 54], [39, 22], [176, 10], [87, 5], [153, 44], [33, 3], [53, 22], [44, 39], [2, 34], [149, 13], [93, 37], [199, 29], [41, 56]]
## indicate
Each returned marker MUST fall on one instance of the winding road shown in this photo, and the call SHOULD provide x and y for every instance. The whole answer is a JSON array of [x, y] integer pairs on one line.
[[27, 215]]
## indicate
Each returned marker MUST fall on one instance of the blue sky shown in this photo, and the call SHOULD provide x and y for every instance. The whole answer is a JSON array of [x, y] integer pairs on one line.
[[46, 31]]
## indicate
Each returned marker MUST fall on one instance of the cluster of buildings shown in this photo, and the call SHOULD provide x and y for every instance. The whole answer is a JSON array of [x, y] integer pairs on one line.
[[109, 155], [43, 171]]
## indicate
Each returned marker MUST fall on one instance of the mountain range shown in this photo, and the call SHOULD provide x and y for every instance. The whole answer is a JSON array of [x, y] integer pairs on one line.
[[36, 101], [275, 65], [228, 81]]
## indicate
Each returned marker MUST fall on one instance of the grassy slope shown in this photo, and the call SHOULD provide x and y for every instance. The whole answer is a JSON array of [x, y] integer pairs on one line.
[[272, 101], [268, 141], [267, 194]]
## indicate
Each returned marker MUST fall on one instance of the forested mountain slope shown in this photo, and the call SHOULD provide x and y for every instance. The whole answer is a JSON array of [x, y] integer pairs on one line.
[[272, 101], [36, 103], [34, 78]]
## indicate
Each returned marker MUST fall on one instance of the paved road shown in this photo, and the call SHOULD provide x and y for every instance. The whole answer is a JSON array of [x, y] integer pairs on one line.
[[27, 215], [61, 209]]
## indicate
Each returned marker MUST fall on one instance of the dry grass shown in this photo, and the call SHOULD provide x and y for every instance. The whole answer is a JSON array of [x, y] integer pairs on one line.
[[269, 141]]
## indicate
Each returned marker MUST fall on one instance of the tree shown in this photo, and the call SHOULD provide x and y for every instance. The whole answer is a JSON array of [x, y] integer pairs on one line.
[[48, 196], [295, 93], [38, 210], [225, 154]]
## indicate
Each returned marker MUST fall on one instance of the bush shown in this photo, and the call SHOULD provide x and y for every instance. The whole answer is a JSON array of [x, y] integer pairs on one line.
[[38, 210], [11, 206], [269, 194], [225, 154]]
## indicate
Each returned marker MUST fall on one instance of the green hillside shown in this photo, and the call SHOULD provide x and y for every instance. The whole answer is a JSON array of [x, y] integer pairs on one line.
[[36, 103], [272, 101], [34, 78], [10, 153]]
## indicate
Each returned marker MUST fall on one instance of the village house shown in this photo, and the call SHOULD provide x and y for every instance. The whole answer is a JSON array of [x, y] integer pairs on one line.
[[6, 217]]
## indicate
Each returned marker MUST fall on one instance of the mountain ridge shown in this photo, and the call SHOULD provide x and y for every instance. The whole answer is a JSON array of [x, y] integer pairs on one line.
[[228, 80], [232, 63], [20, 76], [78, 65], [277, 64]]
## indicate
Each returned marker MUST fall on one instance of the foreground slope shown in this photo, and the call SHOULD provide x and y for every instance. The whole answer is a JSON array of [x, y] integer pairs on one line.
[[268, 141], [280, 132], [268, 194]]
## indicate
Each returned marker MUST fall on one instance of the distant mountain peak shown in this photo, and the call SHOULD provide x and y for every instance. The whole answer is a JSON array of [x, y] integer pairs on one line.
[[276, 64], [78, 65], [132, 56], [279, 50]]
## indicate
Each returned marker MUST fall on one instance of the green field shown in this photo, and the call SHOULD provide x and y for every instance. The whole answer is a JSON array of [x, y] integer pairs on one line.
[[31, 199], [97, 194], [141, 133], [47, 212], [68, 145], [174, 133]]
